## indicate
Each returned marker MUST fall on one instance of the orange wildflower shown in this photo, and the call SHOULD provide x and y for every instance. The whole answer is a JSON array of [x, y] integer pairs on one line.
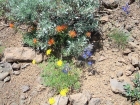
[[61, 28], [11, 25], [51, 41], [88, 34], [34, 40], [72, 33]]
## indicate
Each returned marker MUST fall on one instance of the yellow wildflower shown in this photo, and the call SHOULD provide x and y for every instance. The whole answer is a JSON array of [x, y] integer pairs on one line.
[[63, 92], [33, 62], [51, 101], [48, 52], [59, 63]]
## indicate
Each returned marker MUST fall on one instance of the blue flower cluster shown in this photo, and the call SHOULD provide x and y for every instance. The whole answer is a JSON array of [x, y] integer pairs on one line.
[[126, 8], [88, 53], [66, 69]]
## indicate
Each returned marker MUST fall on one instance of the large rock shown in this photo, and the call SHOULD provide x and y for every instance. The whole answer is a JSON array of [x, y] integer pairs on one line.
[[110, 4], [134, 58], [3, 75], [21, 54], [94, 101], [61, 100], [16, 66], [78, 99], [117, 87], [5, 67]]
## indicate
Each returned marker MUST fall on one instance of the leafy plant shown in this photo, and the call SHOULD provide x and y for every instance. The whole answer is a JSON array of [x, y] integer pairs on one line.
[[119, 37], [65, 75], [63, 22], [133, 94], [2, 7]]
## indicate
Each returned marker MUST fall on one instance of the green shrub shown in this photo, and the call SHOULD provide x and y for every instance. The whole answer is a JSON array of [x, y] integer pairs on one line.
[[60, 77], [119, 37], [2, 7], [133, 93], [56, 19]]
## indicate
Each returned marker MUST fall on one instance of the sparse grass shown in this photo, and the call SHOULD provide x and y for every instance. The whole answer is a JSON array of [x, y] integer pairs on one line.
[[133, 93], [1, 51], [119, 38], [56, 78]]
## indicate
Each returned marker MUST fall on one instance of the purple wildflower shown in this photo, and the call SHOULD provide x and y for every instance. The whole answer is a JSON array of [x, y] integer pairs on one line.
[[88, 53], [84, 56], [64, 71], [125, 8], [90, 63]]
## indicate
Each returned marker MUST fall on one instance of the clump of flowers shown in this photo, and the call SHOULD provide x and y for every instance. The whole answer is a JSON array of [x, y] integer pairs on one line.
[[48, 52], [64, 92], [33, 61], [126, 8], [61, 28], [72, 34], [88, 34], [34, 40], [11, 25], [51, 41], [59, 63], [51, 100]]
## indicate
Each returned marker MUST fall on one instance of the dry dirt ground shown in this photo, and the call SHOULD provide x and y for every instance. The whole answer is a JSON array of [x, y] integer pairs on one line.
[[97, 84]]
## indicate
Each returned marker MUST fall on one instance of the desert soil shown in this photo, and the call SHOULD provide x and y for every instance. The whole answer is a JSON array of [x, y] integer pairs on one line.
[[98, 84]]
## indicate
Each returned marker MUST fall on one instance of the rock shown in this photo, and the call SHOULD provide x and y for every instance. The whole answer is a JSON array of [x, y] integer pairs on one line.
[[13, 54], [22, 102], [101, 58], [110, 4], [23, 97], [119, 74], [134, 58], [3, 75], [126, 51], [16, 72], [7, 79], [94, 101], [25, 88], [87, 94], [16, 66], [130, 68], [104, 18], [61, 100], [1, 84], [129, 27], [78, 99], [38, 58], [1, 70], [117, 87], [24, 65], [6, 67], [128, 73]]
